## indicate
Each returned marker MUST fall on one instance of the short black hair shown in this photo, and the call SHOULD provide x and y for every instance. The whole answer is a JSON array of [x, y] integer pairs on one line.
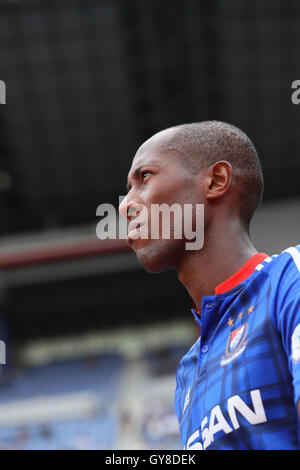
[[201, 144]]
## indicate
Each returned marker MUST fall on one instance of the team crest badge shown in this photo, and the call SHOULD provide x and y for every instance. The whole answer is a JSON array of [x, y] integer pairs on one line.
[[236, 344]]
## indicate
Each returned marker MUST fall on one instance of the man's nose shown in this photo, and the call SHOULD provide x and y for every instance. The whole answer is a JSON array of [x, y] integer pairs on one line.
[[123, 207], [128, 208]]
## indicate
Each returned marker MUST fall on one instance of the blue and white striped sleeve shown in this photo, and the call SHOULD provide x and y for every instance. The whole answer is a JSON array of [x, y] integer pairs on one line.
[[287, 313]]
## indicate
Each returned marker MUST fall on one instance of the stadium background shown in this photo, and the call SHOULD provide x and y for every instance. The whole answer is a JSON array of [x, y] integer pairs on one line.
[[93, 341]]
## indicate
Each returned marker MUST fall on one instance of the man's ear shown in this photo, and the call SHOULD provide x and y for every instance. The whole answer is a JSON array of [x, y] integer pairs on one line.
[[219, 179]]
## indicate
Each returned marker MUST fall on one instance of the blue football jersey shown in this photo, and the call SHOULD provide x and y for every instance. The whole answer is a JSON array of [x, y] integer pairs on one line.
[[238, 386]]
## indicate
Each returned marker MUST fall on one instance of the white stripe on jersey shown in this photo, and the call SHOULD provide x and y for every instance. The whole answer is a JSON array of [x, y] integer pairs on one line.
[[267, 260]]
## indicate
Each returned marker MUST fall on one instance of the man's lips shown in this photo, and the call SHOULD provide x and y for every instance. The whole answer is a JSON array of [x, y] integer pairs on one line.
[[133, 230]]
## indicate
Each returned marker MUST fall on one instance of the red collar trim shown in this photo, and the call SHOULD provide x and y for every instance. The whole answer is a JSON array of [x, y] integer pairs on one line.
[[242, 274]]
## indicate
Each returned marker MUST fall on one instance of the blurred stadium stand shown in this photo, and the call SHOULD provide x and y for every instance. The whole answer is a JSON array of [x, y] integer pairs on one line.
[[87, 83]]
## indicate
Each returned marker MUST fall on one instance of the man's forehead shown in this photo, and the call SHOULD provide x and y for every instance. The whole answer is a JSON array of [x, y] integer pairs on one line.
[[155, 150], [142, 158], [146, 156]]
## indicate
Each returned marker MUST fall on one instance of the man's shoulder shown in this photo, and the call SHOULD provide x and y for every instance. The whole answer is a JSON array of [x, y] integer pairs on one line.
[[284, 266], [283, 274]]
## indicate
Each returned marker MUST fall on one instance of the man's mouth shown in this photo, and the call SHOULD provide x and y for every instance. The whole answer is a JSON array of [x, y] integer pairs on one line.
[[134, 230]]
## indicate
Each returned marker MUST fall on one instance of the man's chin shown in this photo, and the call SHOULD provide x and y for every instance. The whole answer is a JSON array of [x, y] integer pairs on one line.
[[155, 258]]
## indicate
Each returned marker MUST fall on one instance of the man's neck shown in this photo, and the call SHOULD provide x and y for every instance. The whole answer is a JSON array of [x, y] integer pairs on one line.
[[201, 271]]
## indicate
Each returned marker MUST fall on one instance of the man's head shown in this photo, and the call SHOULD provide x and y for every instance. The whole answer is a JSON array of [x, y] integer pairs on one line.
[[211, 163]]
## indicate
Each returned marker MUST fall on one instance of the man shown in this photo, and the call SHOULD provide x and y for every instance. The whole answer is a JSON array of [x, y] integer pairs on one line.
[[239, 385]]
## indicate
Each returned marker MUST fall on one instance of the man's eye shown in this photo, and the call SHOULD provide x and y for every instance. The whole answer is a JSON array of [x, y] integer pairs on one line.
[[144, 174]]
